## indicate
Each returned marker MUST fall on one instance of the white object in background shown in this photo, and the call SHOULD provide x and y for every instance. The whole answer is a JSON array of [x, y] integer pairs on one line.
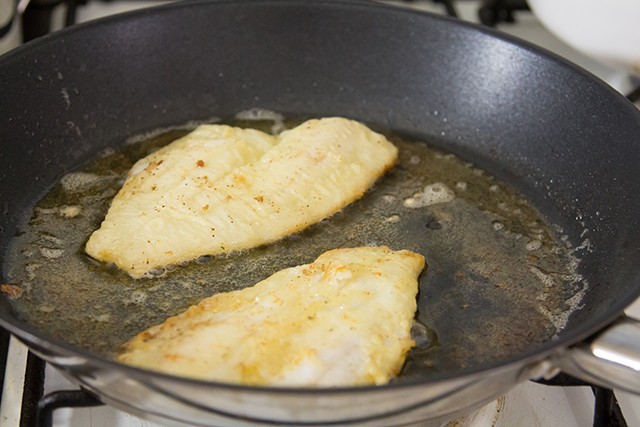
[[607, 30], [9, 26], [13, 383]]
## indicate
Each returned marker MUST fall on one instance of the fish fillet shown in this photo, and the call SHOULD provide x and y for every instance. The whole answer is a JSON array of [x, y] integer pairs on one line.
[[223, 189], [343, 320]]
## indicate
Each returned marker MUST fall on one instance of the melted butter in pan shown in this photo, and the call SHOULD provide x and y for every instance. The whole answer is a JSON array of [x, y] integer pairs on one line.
[[497, 284]]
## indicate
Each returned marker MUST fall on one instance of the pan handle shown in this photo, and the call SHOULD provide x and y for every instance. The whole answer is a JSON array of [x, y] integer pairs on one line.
[[610, 359]]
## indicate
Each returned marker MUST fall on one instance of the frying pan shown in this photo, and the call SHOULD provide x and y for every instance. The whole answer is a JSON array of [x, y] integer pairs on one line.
[[552, 131]]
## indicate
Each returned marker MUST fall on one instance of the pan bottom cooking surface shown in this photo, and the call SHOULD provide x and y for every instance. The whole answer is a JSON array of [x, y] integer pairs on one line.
[[499, 281]]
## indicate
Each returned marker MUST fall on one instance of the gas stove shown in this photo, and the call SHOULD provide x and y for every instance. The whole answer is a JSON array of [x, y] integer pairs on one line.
[[529, 404]]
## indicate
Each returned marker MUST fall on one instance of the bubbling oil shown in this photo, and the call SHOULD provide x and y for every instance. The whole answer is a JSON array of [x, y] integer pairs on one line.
[[497, 283]]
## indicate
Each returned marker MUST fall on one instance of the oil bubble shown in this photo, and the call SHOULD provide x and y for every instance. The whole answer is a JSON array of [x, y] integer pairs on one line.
[[421, 336], [497, 225], [77, 182], [51, 253], [69, 211], [431, 195], [461, 185], [533, 245], [392, 219]]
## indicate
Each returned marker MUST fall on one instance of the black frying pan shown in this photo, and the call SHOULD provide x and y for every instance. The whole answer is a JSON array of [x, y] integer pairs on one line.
[[551, 131]]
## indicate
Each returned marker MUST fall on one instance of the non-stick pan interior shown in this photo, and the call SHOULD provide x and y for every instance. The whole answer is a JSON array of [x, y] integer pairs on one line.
[[549, 130]]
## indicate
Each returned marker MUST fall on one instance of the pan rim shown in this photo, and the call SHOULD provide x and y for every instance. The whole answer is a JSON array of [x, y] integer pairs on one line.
[[36, 339]]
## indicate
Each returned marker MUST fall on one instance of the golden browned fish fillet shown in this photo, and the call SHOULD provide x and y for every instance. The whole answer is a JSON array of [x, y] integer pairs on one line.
[[223, 189], [343, 320]]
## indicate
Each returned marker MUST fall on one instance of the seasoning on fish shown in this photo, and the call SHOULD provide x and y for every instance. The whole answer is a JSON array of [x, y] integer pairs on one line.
[[222, 189], [343, 320]]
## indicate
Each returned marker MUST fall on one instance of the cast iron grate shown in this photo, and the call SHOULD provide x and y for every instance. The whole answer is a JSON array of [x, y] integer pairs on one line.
[[607, 412]]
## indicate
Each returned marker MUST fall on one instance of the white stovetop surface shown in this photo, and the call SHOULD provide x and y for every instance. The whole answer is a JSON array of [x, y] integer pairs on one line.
[[528, 404]]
